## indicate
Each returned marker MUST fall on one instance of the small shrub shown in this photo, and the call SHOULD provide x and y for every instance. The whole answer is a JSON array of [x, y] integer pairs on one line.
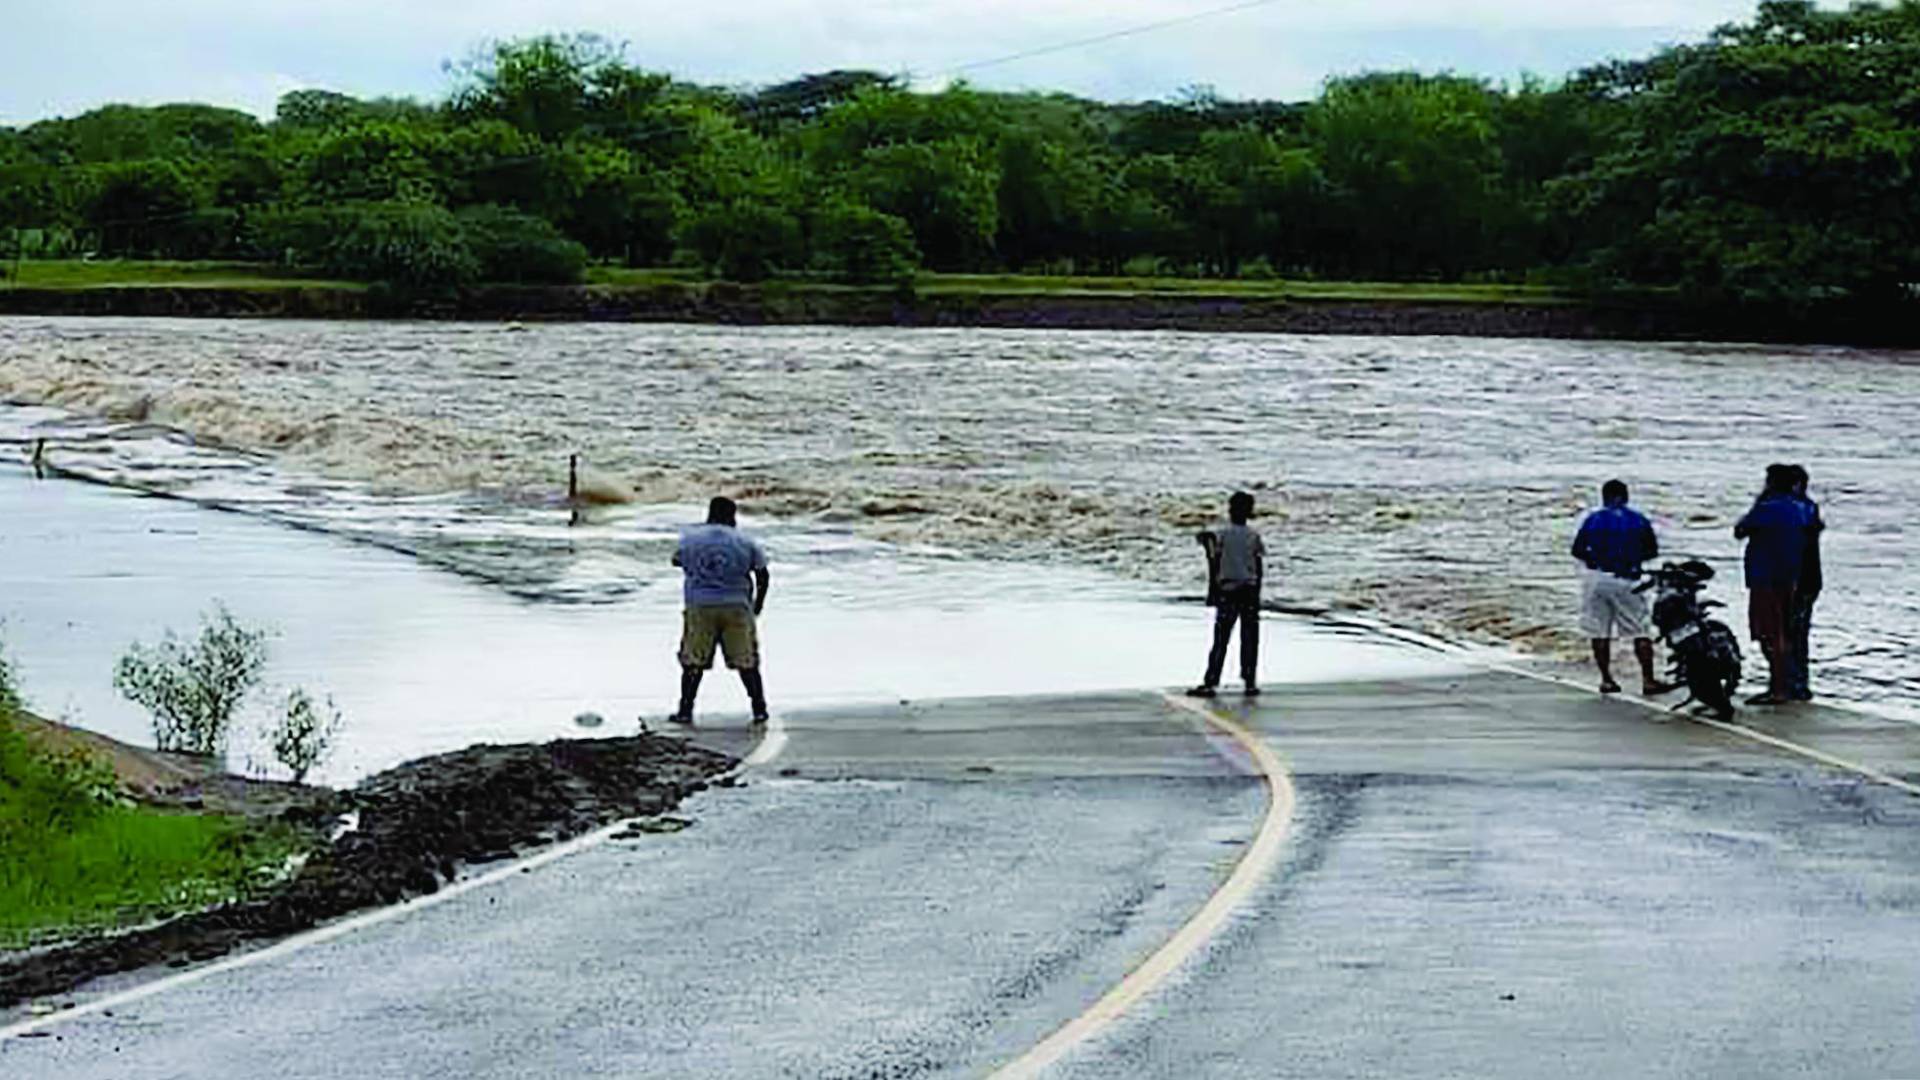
[[193, 689], [296, 236], [520, 247], [861, 245], [305, 733], [412, 246], [743, 240]]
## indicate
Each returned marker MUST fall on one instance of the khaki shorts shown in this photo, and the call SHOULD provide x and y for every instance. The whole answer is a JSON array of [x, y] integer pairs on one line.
[[729, 627]]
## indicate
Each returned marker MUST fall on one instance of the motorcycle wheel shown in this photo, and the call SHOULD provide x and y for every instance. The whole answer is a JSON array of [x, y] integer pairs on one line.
[[1712, 687]]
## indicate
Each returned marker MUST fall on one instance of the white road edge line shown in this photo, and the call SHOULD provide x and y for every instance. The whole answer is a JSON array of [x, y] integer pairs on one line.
[[772, 741], [1469, 656], [1741, 730], [1255, 866]]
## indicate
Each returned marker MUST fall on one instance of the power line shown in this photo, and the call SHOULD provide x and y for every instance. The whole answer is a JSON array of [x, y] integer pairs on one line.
[[1112, 35]]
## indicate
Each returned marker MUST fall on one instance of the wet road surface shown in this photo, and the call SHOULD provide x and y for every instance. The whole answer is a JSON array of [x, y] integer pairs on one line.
[[1487, 876]]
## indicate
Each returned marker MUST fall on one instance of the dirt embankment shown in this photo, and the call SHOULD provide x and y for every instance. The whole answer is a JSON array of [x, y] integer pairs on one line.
[[777, 304], [417, 825]]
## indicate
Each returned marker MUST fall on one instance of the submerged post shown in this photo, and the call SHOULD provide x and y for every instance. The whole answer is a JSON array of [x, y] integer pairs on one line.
[[573, 489], [39, 459]]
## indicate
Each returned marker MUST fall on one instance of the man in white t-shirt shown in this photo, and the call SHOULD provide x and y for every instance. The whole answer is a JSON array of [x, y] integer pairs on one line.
[[1236, 568]]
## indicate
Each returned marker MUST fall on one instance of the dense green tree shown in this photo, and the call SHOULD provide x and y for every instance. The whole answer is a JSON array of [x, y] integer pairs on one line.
[[412, 246], [947, 191], [136, 208], [372, 161], [33, 196], [514, 246], [804, 99], [1412, 165], [626, 210], [554, 86], [861, 245], [494, 162], [135, 132], [1775, 162], [744, 240]]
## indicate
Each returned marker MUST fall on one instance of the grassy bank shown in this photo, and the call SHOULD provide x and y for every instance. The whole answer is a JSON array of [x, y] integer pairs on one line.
[[120, 273], [76, 856]]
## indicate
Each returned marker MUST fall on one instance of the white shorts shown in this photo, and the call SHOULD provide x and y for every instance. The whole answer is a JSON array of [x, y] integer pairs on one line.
[[1610, 608]]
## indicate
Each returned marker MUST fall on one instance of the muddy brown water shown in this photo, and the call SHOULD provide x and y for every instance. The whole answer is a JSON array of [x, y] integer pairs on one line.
[[1433, 481]]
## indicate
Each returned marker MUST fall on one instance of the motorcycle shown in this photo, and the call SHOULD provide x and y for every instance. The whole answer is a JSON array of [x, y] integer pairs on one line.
[[1706, 654]]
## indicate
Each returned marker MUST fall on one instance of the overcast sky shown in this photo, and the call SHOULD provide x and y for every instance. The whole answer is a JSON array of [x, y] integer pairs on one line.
[[59, 57]]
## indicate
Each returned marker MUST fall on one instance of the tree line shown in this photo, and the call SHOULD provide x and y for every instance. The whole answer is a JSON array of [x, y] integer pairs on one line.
[[1772, 162]]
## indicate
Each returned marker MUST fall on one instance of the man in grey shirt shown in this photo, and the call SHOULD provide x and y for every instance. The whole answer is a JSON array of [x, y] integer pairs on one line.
[[726, 587], [1236, 568]]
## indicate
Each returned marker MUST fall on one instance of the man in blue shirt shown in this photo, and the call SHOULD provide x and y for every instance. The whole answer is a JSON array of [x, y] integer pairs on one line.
[[1776, 531], [726, 587], [1612, 543], [1800, 619]]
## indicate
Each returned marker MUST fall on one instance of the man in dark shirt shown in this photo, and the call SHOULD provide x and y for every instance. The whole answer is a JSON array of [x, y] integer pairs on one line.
[[1776, 531], [1612, 543], [1806, 591]]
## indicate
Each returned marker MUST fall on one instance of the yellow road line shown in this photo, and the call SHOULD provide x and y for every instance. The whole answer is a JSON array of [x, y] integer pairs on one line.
[[1255, 866], [772, 741]]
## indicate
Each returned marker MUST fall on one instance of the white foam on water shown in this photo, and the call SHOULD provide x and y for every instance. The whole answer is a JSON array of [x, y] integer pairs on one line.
[[1434, 481]]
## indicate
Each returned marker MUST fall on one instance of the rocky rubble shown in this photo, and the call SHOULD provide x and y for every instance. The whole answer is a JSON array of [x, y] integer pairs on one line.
[[417, 825]]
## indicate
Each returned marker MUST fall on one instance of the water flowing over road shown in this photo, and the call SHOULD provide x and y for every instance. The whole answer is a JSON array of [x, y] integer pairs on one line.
[[1434, 481]]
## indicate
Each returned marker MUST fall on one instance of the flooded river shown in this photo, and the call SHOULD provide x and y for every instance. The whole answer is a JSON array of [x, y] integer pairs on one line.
[[1432, 482]]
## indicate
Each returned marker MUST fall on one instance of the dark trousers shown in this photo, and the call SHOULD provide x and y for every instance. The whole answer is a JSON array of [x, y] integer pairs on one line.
[[1799, 622], [1235, 605]]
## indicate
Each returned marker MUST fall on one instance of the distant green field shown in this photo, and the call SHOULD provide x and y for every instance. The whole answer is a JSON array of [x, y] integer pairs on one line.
[[1273, 289], [1042, 284], [113, 273], [103, 274]]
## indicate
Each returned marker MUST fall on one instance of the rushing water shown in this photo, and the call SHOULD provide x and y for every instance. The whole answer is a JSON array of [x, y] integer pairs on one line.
[[422, 661], [1434, 481]]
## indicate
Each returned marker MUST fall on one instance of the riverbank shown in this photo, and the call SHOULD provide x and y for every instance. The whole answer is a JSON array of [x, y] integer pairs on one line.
[[1004, 302], [405, 832]]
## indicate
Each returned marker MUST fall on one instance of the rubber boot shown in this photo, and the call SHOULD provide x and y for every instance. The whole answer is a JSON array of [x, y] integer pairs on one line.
[[756, 693], [689, 689]]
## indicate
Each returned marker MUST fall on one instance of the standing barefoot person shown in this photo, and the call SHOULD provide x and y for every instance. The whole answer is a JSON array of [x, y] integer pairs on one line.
[[1236, 567], [726, 587], [1776, 531], [1612, 543]]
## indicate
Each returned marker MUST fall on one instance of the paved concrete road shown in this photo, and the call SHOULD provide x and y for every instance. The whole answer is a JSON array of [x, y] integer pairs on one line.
[[1488, 876]]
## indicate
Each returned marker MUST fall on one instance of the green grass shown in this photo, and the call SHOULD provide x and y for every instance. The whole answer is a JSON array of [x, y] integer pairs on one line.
[[931, 284], [72, 858], [1274, 289], [126, 864], [120, 273]]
